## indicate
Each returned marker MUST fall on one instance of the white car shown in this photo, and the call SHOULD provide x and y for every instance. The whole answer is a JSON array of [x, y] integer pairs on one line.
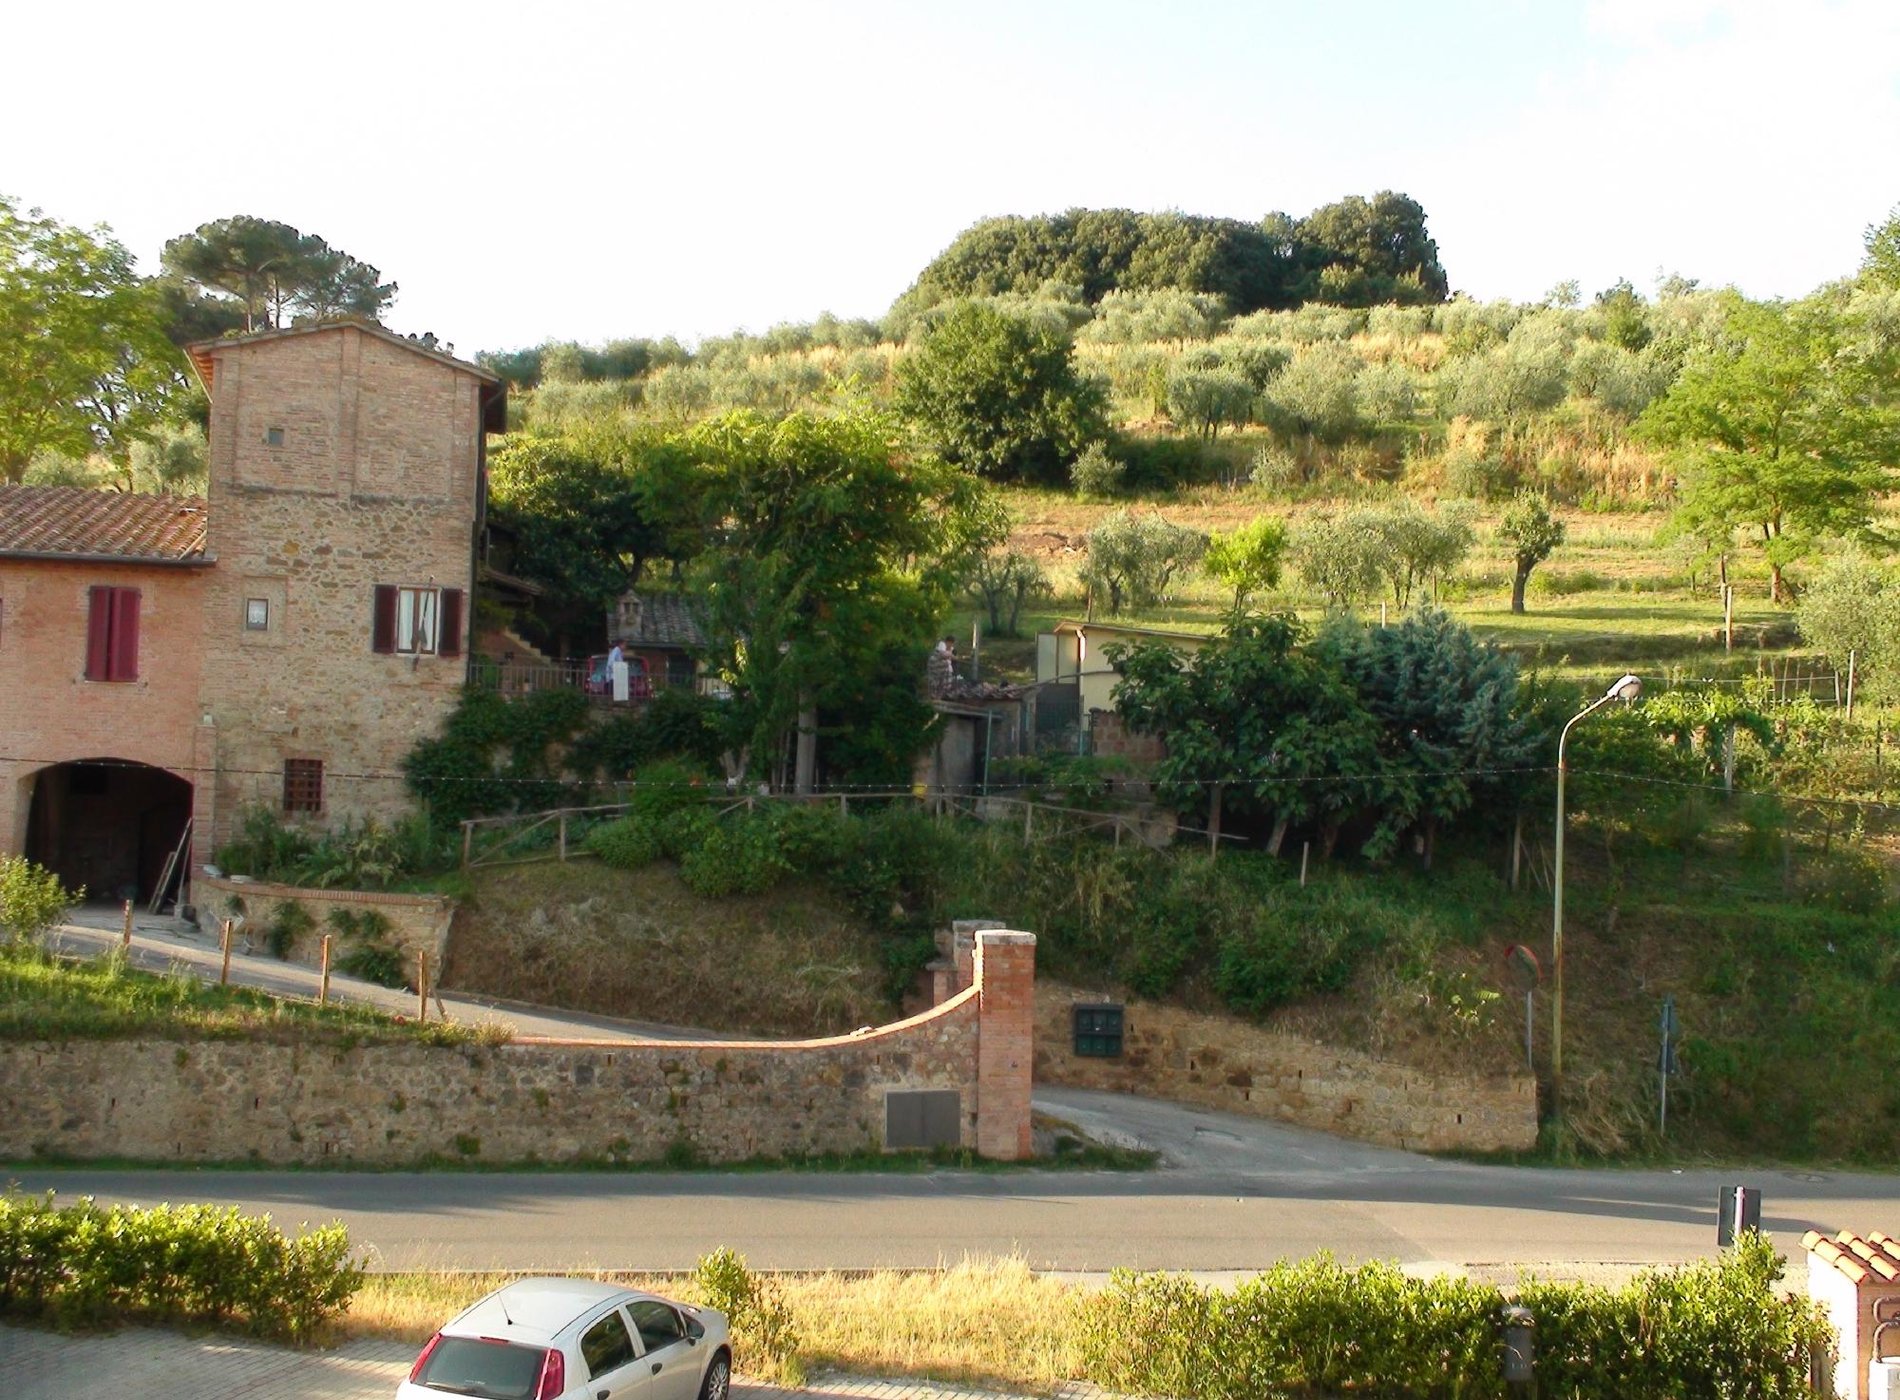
[[571, 1339]]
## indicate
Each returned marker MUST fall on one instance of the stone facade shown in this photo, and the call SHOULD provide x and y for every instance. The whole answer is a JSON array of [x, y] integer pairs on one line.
[[418, 923], [552, 1101], [1218, 1062], [343, 459]]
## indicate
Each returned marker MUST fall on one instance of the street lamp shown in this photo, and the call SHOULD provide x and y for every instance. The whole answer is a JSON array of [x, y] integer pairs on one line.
[[1626, 689]]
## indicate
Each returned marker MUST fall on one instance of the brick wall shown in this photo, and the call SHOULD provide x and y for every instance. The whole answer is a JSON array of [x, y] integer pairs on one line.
[[1219, 1062], [546, 1100], [1109, 734], [418, 923], [50, 713]]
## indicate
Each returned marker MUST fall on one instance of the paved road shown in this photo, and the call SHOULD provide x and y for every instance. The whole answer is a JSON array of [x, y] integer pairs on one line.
[[1244, 1194]]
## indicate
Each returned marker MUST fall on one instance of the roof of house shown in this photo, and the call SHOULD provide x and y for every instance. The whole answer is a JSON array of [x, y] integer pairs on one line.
[[657, 620], [1129, 629], [203, 350], [71, 522], [1877, 1257]]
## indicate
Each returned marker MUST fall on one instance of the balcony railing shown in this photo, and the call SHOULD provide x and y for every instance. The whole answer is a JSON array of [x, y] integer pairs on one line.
[[512, 679]]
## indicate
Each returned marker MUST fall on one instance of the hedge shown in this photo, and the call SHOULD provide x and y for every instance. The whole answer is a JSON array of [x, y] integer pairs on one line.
[[87, 1265], [1717, 1329]]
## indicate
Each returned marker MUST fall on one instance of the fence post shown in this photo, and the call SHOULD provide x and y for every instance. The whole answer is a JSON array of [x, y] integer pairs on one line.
[[1728, 617], [1850, 715], [125, 934], [422, 986], [564, 837], [468, 840], [323, 978], [224, 944]]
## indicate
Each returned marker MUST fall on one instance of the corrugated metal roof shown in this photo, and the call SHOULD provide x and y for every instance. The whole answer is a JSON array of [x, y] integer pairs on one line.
[[71, 521]]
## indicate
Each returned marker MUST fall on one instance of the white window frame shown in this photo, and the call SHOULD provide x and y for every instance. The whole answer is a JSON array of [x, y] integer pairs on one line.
[[418, 621]]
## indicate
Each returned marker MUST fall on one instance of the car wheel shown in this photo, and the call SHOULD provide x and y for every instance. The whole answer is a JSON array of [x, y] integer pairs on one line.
[[718, 1382]]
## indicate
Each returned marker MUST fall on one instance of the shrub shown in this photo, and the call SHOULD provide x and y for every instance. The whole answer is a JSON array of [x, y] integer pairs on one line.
[[1319, 1327], [1095, 473], [368, 951], [736, 856], [627, 844], [87, 1265], [762, 1323], [289, 921], [31, 899]]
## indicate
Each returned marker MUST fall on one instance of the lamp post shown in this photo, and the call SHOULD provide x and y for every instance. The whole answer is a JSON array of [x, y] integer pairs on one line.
[[1626, 689]]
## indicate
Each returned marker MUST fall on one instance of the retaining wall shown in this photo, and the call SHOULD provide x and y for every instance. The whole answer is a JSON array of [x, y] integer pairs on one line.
[[418, 923], [1223, 1063], [555, 1101]]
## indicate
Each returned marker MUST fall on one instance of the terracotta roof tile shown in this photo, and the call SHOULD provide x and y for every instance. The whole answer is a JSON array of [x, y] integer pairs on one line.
[[1876, 1257], [83, 524], [658, 620]]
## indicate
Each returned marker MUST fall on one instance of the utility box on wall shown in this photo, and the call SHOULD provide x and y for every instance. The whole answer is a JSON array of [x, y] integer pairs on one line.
[[1098, 1029]]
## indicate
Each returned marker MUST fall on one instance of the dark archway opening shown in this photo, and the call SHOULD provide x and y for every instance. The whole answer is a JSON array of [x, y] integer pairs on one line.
[[107, 824]]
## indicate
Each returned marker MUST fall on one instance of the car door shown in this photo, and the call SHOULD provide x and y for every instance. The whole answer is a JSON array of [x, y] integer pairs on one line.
[[615, 1369], [673, 1361]]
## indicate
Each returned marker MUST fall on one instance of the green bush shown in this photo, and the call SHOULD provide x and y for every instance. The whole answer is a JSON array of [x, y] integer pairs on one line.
[[87, 1265], [1718, 1328], [628, 844], [289, 921], [31, 899], [739, 855], [762, 1323], [368, 951]]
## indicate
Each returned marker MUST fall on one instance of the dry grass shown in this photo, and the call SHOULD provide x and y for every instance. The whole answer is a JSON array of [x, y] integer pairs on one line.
[[980, 1320], [640, 944]]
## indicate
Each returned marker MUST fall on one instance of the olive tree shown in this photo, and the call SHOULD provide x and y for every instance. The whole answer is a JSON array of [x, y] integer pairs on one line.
[[1133, 558], [1530, 532]]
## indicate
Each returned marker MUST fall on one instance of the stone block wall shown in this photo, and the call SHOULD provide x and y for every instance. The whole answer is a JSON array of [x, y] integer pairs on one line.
[[1218, 1062], [418, 923], [552, 1101]]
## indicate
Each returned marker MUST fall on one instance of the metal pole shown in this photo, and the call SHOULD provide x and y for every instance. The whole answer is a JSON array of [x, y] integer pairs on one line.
[[1557, 921], [1850, 683]]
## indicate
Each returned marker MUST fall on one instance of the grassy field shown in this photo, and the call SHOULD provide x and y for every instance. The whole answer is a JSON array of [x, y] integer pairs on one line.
[[978, 1321]]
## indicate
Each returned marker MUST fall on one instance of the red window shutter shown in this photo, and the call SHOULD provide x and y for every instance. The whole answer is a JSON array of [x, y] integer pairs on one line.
[[449, 643], [98, 633], [125, 634], [382, 632]]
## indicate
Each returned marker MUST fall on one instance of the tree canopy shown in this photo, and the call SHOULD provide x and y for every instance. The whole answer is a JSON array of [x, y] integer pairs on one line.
[[999, 395], [1356, 252], [275, 274], [84, 361], [1784, 427]]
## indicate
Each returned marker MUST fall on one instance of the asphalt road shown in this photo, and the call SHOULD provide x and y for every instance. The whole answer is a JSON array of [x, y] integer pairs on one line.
[[1238, 1195]]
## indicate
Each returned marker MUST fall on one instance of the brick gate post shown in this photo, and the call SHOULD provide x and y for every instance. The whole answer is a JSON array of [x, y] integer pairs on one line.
[[1005, 1045]]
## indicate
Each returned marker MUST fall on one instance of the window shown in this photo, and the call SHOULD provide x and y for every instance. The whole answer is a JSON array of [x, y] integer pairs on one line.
[[606, 1345], [256, 614], [303, 785], [659, 1325], [416, 621], [273, 437], [112, 634]]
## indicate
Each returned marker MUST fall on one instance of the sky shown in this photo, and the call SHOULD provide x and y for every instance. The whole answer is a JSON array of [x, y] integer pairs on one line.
[[595, 171]]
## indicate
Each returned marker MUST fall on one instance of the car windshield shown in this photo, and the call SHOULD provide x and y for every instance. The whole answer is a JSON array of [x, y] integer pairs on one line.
[[475, 1366]]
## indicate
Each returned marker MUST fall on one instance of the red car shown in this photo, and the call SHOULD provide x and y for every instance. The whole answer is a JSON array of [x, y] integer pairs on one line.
[[599, 682]]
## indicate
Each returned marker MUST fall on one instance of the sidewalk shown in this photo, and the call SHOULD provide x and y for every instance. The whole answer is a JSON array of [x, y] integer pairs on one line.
[[41, 1365]]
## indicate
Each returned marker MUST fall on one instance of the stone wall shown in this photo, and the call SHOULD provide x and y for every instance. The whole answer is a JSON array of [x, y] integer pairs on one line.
[[1219, 1062], [338, 462], [418, 923], [554, 1101]]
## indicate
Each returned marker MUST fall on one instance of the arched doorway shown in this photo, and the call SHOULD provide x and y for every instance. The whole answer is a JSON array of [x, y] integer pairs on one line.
[[108, 824]]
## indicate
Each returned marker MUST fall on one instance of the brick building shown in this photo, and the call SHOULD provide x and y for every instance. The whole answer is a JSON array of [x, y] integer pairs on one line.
[[281, 643]]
